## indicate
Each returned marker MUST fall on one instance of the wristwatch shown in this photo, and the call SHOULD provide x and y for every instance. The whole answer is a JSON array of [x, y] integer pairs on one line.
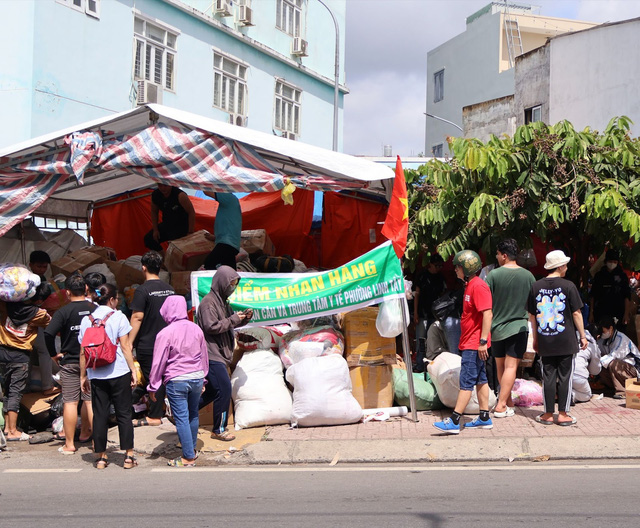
[[483, 341]]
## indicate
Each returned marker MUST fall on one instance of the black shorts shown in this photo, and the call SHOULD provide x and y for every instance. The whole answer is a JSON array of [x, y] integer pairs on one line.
[[513, 346]]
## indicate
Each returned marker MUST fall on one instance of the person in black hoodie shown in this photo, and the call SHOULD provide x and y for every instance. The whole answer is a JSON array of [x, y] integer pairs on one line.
[[217, 320], [19, 323], [66, 321]]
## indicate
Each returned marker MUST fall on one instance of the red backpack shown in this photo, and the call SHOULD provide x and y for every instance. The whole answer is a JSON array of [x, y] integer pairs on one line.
[[98, 348]]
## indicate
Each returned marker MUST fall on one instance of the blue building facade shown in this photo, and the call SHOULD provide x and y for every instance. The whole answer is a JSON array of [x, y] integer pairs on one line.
[[264, 64]]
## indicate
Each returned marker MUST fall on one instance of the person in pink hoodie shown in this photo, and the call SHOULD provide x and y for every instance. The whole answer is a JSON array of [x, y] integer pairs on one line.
[[180, 361]]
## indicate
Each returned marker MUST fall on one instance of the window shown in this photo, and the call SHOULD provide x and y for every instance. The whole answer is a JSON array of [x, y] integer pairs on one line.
[[437, 151], [289, 16], [438, 86], [89, 7], [52, 224], [533, 114], [287, 108], [229, 84], [154, 54]]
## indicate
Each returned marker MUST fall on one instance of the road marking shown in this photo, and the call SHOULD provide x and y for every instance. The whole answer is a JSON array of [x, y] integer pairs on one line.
[[42, 470], [411, 469]]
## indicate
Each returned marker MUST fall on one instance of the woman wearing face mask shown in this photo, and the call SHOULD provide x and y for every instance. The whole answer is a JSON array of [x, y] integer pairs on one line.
[[620, 358], [217, 320]]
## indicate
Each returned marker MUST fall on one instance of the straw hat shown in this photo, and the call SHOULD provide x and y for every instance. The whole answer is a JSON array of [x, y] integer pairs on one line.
[[555, 259]]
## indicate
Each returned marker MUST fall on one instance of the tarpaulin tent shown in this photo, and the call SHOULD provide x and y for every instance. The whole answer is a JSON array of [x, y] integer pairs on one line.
[[133, 150]]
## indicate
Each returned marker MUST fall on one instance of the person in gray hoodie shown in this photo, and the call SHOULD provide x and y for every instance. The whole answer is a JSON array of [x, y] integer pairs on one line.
[[217, 320], [586, 363], [180, 362]]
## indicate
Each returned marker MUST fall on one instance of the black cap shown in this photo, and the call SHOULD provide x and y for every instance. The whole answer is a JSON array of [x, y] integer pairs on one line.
[[435, 258], [612, 254]]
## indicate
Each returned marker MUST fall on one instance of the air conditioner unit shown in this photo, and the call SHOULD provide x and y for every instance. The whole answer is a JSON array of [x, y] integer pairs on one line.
[[299, 47], [289, 135], [238, 120], [223, 8], [148, 92], [245, 16]]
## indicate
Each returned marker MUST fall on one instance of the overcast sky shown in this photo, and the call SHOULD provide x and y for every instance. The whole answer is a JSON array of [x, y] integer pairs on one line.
[[386, 61]]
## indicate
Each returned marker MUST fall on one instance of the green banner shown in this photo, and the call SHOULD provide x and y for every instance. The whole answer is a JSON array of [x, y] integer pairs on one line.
[[284, 297]]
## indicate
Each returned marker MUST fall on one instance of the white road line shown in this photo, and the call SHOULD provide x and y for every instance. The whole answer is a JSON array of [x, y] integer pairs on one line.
[[419, 469], [42, 470]]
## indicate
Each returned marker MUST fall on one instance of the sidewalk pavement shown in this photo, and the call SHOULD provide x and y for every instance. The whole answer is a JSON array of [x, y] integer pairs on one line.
[[605, 430]]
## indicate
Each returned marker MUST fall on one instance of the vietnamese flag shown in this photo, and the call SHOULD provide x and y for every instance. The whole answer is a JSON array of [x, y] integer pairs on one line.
[[396, 225]]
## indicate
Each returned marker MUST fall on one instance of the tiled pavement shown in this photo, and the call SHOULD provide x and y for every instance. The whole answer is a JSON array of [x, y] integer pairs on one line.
[[604, 417]]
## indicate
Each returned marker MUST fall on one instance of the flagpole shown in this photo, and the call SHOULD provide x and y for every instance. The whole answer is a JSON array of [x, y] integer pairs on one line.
[[407, 358]]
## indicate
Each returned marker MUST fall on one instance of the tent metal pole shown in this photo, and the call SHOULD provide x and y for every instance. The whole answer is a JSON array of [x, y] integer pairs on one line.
[[407, 360], [23, 243]]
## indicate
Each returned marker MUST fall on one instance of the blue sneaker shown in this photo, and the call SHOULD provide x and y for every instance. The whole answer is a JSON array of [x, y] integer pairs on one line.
[[447, 426], [477, 423]]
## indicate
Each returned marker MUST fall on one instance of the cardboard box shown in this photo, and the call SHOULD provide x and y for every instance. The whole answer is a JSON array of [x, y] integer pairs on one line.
[[205, 416], [181, 282], [364, 346], [76, 261], [188, 253], [105, 252], [632, 391], [125, 275], [255, 241], [37, 402], [372, 386]]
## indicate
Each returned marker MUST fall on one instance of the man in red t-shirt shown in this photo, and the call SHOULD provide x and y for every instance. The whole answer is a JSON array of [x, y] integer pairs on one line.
[[475, 326]]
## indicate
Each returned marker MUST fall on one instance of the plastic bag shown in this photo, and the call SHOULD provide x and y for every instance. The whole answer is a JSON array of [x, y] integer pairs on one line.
[[17, 283], [331, 340], [259, 338], [425, 391], [526, 393], [389, 320]]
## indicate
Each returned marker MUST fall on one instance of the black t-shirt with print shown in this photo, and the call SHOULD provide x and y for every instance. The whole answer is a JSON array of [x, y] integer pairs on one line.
[[67, 321], [553, 300], [149, 298]]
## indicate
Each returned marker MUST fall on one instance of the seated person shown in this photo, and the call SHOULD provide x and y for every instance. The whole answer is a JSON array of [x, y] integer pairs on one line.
[[178, 216], [587, 363], [436, 341], [620, 357]]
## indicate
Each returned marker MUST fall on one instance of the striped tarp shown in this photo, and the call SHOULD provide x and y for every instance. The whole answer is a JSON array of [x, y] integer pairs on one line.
[[165, 154]]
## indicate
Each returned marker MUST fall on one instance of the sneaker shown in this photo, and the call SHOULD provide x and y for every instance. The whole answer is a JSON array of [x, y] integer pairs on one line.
[[477, 423], [447, 426]]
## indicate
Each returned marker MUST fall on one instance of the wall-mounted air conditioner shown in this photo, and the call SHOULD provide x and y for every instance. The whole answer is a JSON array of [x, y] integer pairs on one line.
[[223, 8], [148, 92], [299, 47], [245, 16], [238, 120], [289, 135]]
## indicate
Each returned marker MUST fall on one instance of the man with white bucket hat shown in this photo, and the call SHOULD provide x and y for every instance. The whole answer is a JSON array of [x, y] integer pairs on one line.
[[554, 312]]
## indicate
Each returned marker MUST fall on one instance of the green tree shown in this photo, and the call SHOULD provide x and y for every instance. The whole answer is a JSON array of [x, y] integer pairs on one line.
[[577, 190]]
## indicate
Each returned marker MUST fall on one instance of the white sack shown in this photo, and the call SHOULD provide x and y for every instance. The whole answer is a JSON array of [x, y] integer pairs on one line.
[[322, 392], [445, 374], [260, 395]]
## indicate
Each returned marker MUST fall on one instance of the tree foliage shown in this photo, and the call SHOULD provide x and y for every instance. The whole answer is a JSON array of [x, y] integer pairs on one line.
[[579, 190]]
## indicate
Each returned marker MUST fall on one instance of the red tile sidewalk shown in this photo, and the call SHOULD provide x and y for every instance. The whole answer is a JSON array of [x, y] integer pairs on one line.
[[605, 417]]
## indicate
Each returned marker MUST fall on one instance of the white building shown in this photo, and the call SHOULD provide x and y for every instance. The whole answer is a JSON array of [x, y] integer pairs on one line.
[[477, 65]]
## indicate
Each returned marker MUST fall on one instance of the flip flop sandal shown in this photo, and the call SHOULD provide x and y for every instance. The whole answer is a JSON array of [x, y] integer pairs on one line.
[[544, 422], [24, 437], [141, 422], [130, 462], [567, 424], [177, 462], [62, 450], [102, 462], [223, 437]]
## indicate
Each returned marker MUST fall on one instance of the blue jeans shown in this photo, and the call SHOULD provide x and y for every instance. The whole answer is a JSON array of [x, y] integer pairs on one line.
[[451, 326], [184, 397]]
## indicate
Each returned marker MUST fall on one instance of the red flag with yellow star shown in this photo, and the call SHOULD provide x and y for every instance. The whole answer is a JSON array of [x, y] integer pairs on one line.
[[396, 225]]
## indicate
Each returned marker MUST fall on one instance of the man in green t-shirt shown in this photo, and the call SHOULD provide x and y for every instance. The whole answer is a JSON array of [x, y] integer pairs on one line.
[[510, 286]]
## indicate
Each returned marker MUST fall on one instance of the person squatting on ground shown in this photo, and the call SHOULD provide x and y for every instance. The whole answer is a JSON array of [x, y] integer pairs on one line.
[[431, 285], [475, 326], [178, 216], [111, 384], [620, 358], [146, 322], [39, 264], [510, 286], [66, 321], [180, 361], [217, 320], [555, 315], [587, 363], [227, 230], [19, 324]]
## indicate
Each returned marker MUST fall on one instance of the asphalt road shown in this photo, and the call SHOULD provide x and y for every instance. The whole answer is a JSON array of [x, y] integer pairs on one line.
[[531, 494]]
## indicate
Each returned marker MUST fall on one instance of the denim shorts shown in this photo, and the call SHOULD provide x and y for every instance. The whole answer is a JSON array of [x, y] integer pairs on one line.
[[472, 371]]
